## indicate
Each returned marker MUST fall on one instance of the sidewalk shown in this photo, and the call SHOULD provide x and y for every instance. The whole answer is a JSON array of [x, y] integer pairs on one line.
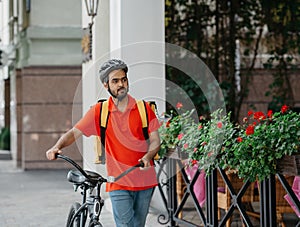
[[41, 198]]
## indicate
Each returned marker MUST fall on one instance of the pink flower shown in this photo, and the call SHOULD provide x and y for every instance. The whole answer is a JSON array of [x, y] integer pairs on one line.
[[179, 105], [185, 146], [200, 126], [180, 136], [219, 124], [195, 149]]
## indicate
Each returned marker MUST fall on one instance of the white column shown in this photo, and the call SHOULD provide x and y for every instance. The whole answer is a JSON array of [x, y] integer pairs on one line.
[[137, 37], [132, 30]]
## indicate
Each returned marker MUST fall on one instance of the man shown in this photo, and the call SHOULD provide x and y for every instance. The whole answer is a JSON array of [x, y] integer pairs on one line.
[[125, 146]]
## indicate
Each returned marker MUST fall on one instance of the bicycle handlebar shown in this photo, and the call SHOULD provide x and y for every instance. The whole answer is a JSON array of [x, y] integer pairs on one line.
[[113, 179], [110, 178], [66, 158]]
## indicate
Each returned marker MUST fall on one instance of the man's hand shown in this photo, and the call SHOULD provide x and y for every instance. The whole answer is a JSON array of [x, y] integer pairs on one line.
[[51, 153], [146, 163]]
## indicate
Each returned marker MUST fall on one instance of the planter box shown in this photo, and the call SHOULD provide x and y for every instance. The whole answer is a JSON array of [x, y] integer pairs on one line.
[[289, 165]]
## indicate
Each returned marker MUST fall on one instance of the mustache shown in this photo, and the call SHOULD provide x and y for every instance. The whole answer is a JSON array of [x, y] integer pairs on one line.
[[121, 88]]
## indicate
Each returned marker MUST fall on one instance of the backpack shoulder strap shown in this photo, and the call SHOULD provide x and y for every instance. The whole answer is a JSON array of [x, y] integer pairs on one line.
[[143, 113], [141, 105], [100, 142], [104, 114]]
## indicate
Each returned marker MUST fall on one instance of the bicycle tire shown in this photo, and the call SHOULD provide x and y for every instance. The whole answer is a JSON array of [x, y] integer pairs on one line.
[[77, 220], [95, 224]]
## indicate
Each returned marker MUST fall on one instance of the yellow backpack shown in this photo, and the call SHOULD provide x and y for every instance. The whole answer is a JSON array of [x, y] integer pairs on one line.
[[103, 119]]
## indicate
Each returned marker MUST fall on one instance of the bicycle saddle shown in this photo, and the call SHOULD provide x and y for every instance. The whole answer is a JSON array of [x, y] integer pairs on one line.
[[76, 176]]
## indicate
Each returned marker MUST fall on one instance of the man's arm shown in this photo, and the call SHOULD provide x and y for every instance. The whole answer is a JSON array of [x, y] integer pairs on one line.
[[154, 146], [65, 140]]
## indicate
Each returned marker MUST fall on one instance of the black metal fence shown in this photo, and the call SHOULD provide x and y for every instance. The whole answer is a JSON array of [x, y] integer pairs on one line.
[[169, 168]]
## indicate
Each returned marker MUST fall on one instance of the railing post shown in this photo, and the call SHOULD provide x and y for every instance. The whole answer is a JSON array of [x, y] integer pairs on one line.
[[268, 202], [172, 195], [211, 198]]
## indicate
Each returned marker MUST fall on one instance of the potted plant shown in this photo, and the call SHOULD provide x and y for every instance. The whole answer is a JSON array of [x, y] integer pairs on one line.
[[173, 126], [263, 140], [207, 143], [254, 149]]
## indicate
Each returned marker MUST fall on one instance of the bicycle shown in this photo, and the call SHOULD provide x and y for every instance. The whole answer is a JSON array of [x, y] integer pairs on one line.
[[92, 202]]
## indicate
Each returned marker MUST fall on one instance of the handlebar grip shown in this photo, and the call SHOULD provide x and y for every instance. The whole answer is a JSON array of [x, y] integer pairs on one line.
[[140, 164]]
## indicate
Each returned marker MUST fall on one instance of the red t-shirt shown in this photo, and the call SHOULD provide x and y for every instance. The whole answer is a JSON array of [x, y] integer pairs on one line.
[[124, 143]]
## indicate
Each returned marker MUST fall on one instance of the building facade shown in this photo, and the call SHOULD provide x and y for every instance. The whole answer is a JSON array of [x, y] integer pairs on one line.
[[41, 71], [52, 83]]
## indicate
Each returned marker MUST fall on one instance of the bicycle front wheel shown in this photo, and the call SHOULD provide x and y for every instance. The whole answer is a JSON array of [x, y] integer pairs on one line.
[[95, 224], [80, 218]]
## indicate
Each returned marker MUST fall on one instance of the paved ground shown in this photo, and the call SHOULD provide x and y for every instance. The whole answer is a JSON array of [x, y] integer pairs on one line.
[[41, 199]]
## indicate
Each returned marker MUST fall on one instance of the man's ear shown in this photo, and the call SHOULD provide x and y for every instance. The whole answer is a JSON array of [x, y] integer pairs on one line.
[[105, 85]]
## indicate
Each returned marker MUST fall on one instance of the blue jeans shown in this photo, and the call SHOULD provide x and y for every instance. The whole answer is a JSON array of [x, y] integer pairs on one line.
[[130, 208]]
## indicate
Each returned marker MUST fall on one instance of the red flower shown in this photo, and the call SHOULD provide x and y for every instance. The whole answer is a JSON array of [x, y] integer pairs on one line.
[[179, 105], [250, 130], [204, 143], [194, 162], [185, 146], [250, 112], [180, 136], [270, 114], [259, 116], [219, 124], [200, 126], [239, 139], [168, 124], [284, 108]]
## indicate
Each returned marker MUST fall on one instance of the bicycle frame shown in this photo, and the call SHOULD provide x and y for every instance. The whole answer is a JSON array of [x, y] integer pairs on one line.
[[91, 204]]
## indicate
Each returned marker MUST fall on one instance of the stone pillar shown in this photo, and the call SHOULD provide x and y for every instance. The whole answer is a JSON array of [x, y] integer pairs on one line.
[[44, 111]]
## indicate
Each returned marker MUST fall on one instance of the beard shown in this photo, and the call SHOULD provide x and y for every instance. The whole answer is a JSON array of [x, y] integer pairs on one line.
[[120, 94]]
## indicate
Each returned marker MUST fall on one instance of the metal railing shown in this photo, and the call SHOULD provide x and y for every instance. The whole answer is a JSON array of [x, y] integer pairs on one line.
[[167, 174]]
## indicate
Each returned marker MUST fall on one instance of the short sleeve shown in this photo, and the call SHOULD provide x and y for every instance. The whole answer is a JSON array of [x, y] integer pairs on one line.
[[89, 124]]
